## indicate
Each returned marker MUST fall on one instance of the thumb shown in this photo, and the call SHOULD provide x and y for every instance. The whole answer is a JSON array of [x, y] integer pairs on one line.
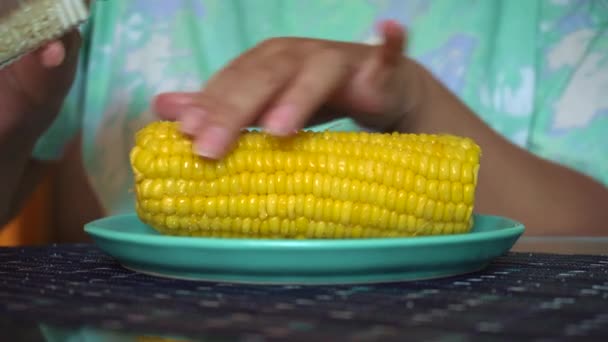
[[52, 55], [386, 57], [391, 50]]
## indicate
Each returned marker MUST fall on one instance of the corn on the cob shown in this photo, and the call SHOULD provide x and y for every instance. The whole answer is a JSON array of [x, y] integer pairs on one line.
[[311, 185]]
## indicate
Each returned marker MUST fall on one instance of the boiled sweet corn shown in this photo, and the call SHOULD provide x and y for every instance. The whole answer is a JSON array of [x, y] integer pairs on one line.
[[311, 185]]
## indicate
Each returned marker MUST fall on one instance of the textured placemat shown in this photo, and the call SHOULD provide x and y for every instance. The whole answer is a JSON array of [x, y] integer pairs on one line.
[[519, 296]]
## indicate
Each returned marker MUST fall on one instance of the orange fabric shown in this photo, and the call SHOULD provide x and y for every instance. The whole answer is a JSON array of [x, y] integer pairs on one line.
[[34, 225]]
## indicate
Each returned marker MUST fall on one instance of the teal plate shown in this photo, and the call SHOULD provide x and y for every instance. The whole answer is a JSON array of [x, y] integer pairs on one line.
[[140, 248]]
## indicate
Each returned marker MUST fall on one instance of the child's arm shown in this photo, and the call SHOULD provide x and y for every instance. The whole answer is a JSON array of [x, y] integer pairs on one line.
[[280, 84], [31, 94], [547, 197], [75, 201]]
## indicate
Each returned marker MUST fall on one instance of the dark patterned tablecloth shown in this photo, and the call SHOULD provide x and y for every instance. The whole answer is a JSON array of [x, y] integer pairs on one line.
[[57, 292]]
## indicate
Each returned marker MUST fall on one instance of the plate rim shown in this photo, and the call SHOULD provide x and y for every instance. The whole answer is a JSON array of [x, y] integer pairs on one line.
[[514, 228]]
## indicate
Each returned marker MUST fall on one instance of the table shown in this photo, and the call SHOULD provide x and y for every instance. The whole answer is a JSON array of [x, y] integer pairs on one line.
[[562, 245], [54, 292]]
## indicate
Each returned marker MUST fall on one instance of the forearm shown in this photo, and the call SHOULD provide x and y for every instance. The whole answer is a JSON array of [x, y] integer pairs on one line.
[[31, 95], [548, 198], [74, 200], [19, 174]]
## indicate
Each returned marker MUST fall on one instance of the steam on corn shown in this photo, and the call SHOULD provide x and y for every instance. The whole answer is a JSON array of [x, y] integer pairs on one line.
[[311, 185]]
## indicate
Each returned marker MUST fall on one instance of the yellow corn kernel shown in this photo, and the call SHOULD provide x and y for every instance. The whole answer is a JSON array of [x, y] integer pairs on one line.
[[238, 206], [309, 185], [183, 207], [346, 212], [211, 207], [282, 206], [457, 192], [222, 206], [168, 205]]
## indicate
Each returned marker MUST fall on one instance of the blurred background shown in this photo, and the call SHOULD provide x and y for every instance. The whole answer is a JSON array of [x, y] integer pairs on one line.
[[34, 225]]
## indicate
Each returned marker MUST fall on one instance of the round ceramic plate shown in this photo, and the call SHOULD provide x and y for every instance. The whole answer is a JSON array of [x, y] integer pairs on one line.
[[140, 248]]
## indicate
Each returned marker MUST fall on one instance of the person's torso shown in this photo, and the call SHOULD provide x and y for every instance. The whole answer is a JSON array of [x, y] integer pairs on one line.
[[512, 62]]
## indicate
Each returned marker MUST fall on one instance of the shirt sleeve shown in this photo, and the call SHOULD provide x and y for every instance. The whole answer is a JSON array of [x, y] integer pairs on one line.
[[51, 144], [571, 121]]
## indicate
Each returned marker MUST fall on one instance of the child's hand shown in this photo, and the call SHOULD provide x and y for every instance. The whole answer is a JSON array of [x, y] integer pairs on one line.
[[282, 83], [33, 88]]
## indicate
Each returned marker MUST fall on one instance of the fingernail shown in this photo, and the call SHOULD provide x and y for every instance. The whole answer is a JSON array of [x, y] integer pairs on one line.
[[280, 118], [191, 119], [212, 143]]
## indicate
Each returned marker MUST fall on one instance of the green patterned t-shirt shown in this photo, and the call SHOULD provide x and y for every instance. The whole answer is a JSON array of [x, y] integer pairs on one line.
[[536, 71]]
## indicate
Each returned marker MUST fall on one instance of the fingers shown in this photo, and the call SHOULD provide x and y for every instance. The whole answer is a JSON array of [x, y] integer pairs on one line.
[[45, 75], [57, 52], [237, 98], [374, 81], [52, 55], [384, 57], [169, 106], [321, 75], [391, 51], [184, 106], [231, 100], [280, 87], [180, 106], [277, 92]]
